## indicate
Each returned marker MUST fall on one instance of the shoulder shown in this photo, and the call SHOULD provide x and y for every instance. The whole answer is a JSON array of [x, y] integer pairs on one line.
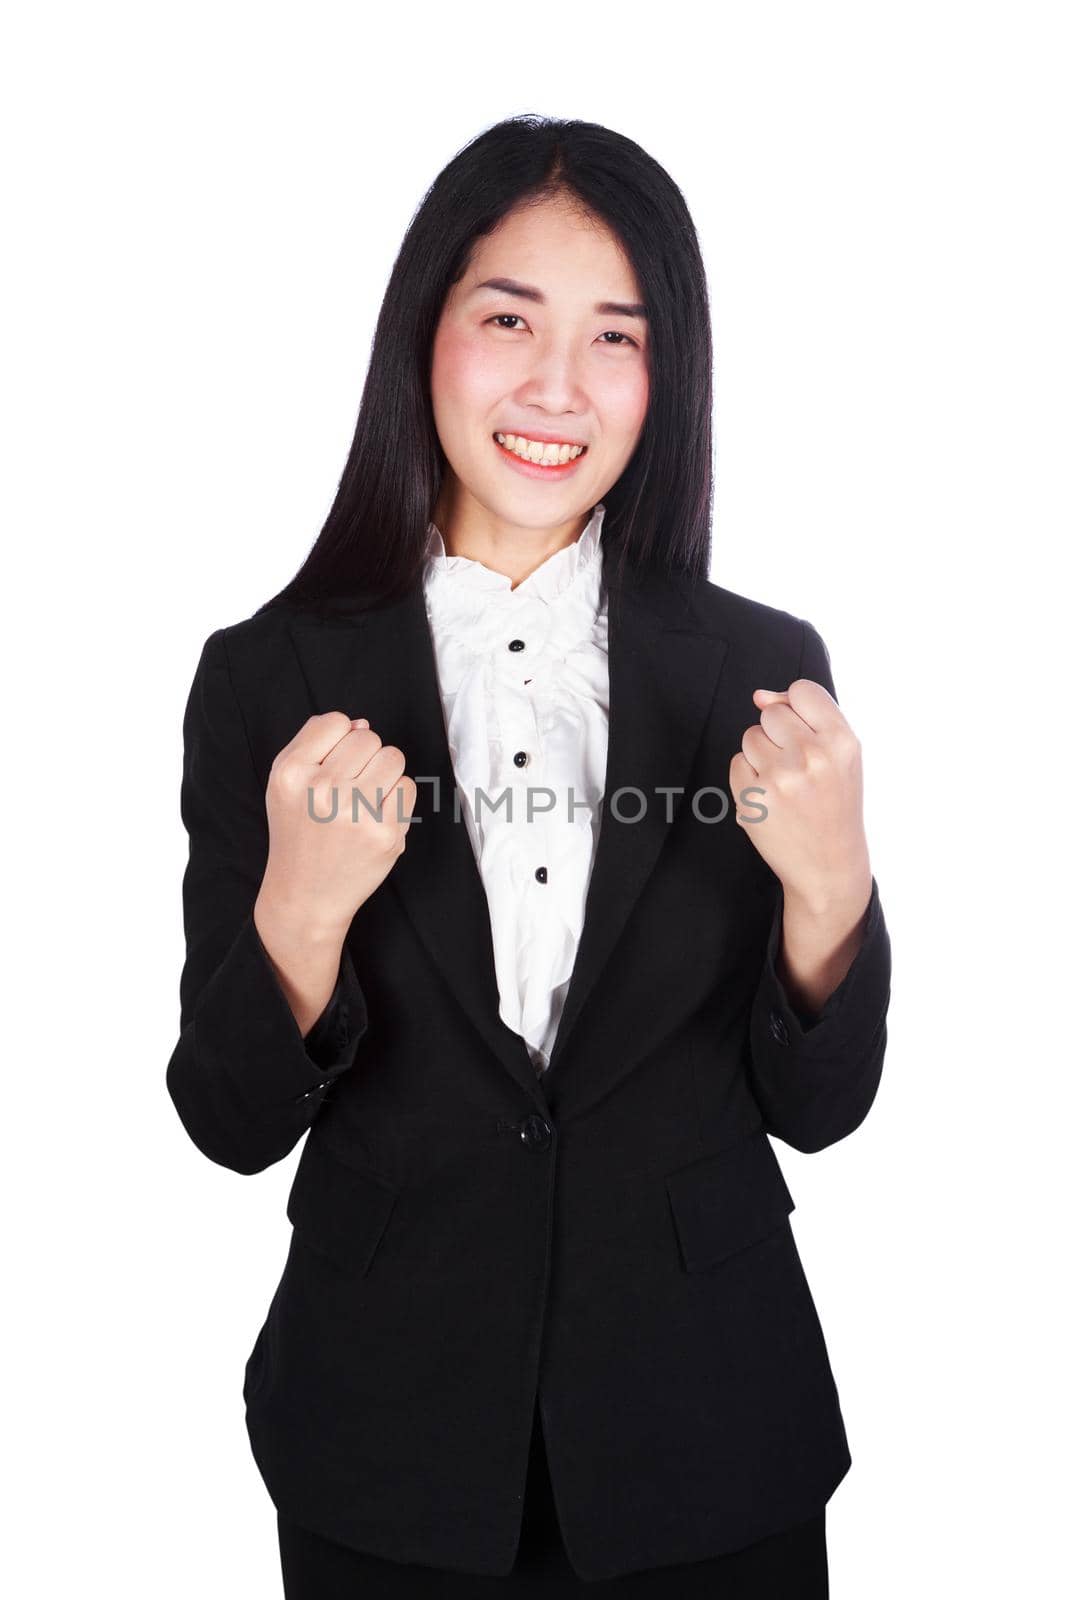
[[249, 684], [250, 660], [764, 644], [751, 627], [251, 646], [259, 631], [769, 644]]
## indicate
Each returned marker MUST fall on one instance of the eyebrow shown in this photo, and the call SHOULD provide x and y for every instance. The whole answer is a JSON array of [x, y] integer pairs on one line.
[[526, 291]]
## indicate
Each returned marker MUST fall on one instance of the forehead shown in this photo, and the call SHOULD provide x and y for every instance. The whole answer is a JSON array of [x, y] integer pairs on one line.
[[558, 247]]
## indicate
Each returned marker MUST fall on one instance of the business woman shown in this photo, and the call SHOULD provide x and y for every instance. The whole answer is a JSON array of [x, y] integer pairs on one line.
[[528, 877]]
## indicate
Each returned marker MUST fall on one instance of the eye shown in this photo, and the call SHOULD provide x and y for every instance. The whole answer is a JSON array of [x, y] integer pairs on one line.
[[612, 335]]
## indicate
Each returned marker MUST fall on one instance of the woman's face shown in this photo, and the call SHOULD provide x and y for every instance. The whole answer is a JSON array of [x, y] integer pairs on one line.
[[543, 339]]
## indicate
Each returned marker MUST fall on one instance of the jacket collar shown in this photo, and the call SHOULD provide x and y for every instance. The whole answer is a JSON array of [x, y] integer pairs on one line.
[[665, 664]]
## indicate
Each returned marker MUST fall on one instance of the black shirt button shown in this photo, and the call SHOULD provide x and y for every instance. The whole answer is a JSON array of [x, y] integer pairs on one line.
[[535, 1132], [779, 1031], [517, 644], [541, 874], [520, 758]]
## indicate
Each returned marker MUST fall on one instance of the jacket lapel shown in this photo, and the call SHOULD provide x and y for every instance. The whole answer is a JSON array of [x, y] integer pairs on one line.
[[663, 678], [664, 668]]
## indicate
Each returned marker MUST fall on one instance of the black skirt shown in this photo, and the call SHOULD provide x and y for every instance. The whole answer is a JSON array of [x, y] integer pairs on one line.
[[786, 1566]]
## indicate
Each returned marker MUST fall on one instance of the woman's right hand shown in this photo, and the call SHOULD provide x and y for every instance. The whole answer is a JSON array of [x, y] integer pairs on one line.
[[319, 872]]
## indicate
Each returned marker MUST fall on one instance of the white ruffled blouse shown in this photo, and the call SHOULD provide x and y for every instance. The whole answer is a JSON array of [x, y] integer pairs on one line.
[[523, 679]]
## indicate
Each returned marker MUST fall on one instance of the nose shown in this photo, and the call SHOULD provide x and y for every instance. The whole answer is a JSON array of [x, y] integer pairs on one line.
[[552, 383]]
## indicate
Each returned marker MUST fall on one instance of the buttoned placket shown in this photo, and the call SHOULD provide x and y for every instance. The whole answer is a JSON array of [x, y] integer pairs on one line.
[[518, 668]]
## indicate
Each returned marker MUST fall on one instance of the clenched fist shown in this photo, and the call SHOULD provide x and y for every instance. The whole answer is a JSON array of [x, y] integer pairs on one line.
[[319, 872], [322, 865], [807, 759]]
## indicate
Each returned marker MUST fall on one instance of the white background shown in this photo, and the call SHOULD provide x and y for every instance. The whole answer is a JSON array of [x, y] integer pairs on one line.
[[203, 204]]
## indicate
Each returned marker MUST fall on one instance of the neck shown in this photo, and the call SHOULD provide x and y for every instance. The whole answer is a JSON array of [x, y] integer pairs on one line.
[[470, 529]]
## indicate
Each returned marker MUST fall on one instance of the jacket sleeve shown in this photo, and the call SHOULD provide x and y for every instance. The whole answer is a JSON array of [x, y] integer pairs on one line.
[[815, 1077], [243, 1080]]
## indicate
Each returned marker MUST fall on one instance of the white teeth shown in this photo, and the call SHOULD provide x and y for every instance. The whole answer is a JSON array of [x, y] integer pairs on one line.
[[546, 455]]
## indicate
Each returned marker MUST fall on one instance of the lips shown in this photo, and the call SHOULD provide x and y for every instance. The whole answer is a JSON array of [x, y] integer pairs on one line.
[[546, 471]]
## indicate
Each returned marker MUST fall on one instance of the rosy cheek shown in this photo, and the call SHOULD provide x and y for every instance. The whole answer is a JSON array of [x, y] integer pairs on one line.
[[451, 362], [464, 368], [640, 400], [626, 402]]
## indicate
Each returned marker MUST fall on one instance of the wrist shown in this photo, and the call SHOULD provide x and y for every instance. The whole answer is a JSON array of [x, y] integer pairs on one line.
[[830, 899], [291, 921]]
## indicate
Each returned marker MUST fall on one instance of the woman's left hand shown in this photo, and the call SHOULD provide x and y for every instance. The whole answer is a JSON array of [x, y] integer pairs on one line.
[[808, 823]]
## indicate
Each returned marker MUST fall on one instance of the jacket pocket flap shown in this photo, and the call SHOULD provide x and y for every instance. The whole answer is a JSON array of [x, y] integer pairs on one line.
[[341, 1211], [724, 1202]]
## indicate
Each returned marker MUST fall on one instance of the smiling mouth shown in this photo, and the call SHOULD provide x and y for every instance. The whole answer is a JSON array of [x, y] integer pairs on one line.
[[539, 454]]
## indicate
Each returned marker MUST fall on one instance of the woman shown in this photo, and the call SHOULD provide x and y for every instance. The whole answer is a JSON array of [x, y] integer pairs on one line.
[[542, 1320]]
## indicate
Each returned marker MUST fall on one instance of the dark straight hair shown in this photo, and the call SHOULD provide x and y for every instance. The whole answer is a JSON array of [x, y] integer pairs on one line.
[[658, 514]]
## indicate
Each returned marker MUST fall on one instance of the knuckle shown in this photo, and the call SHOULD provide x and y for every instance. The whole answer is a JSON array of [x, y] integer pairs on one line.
[[286, 773]]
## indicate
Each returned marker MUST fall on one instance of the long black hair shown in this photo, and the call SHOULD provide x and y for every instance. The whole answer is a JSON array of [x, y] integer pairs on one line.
[[659, 512]]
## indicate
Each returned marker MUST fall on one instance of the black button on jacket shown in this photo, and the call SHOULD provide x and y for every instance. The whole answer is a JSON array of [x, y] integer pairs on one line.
[[612, 1241]]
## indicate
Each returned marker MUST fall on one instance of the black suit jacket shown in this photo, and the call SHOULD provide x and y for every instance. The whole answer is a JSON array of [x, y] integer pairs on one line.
[[611, 1241]]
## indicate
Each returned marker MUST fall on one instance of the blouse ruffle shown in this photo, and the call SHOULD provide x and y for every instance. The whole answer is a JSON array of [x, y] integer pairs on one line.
[[549, 699]]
